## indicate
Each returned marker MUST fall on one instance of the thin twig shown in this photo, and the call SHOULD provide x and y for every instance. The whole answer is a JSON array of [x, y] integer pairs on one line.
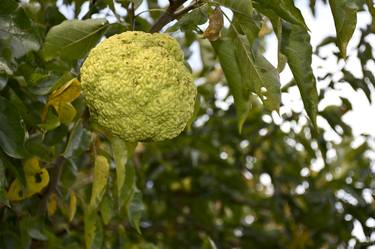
[[168, 16], [54, 181], [132, 15]]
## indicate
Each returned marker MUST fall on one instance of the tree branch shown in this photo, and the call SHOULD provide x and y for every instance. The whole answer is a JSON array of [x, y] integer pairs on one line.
[[55, 177], [168, 16]]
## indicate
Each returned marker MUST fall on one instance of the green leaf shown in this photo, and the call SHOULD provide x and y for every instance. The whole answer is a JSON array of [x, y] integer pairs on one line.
[[224, 48], [72, 39], [296, 47], [101, 174], [50, 82], [51, 122], [208, 244], [129, 186], [120, 156], [243, 7], [345, 16], [79, 139], [135, 209], [72, 206], [258, 75], [17, 32], [93, 230], [270, 93], [14, 166], [36, 147], [285, 9], [107, 209], [3, 183], [12, 131], [192, 19]]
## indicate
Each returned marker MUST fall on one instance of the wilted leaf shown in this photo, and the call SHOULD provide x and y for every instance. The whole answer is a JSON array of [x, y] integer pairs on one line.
[[215, 25], [72, 39]]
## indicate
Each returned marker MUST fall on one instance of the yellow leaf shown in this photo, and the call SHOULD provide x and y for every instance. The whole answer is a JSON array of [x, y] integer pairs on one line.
[[52, 204], [37, 179], [101, 173], [72, 205], [66, 112], [61, 100], [31, 166], [67, 93]]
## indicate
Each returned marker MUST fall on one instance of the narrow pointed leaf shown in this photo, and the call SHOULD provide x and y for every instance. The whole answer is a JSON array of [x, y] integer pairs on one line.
[[93, 230], [136, 209], [297, 48], [345, 16], [101, 174], [224, 48], [120, 156]]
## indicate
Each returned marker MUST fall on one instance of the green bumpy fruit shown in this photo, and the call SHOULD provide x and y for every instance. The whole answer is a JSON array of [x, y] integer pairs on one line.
[[137, 86]]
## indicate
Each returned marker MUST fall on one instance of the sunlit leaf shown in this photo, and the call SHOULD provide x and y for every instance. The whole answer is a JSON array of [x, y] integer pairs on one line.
[[296, 47], [72, 39], [224, 48], [345, 15]]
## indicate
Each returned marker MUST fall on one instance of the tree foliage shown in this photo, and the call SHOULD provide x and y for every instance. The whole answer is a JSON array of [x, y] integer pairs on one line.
[[240, 175]]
